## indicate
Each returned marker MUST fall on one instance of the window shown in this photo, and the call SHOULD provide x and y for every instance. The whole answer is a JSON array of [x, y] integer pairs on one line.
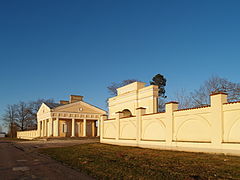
[[64, 128]]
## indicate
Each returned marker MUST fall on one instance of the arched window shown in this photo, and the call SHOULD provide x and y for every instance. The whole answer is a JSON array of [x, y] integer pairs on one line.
[[126, 113]]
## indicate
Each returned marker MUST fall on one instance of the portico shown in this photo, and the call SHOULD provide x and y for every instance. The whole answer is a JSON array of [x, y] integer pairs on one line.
[[75, 118]]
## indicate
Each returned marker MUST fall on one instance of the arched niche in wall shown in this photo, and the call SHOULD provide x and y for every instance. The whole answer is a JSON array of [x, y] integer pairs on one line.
[[109, 130], [233, 134], [195, 128], [126, 113], [154, 130]]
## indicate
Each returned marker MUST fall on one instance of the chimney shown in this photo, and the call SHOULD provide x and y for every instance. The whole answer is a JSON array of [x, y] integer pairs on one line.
[[64, 102], [75, 98]]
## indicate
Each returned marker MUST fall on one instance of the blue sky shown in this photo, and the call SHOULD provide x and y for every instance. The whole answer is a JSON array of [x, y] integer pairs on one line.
[[51, 49]]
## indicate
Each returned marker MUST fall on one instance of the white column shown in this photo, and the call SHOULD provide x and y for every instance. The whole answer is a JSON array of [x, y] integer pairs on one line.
[[57, 127], [39, 128], [93, 128], [103, 118], [50, 127], [47, 125], [98, 127], [73, 128], [44, 128], [84, 127], [42, 134]]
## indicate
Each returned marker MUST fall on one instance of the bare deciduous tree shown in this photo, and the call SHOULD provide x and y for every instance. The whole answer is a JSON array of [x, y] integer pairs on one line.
[[112, 89], [161, 105], [34, 107], [9, 119], [184, 99], [200, 97], [215, 84], [22, 116]]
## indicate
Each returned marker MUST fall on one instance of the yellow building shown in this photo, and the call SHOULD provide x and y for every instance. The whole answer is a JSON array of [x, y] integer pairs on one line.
[[133, 120], [73, 118]]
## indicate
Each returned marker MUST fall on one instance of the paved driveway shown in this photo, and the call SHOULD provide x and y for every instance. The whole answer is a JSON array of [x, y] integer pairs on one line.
[[19, 160]]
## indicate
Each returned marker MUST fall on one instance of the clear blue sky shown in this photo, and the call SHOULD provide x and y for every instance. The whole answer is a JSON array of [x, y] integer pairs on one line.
[[51, 49]]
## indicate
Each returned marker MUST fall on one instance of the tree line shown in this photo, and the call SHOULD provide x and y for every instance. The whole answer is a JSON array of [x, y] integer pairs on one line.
[[200, 97], [22, 116]]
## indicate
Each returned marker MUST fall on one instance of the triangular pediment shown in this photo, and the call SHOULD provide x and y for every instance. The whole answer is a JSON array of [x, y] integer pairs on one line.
[[43, 109], [79, 107]]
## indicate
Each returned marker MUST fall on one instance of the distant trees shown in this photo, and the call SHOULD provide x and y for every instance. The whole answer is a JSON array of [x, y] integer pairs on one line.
[[200, 96], [9, 119], [21, 116], [184, 99], [161, 82], [197, 98], [34, 107]]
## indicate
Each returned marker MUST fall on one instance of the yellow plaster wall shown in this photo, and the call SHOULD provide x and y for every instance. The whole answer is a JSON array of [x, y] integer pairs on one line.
[[133, 96], [154, 127], [128, 128], [109, 129], [213, 128], [27, 134], [231, 122], [189, 125]]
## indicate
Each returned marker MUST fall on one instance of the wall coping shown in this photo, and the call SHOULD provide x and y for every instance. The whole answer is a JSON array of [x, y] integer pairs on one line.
[[127, 117], [110, 119], [234, 102], [153, 113], [27, 130], [193, 108], [172, 102], [140, 108], [213, 94], [118, 112]]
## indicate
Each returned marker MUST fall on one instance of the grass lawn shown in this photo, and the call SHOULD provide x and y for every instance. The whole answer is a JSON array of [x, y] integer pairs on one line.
[[12, 139], [109, 161]]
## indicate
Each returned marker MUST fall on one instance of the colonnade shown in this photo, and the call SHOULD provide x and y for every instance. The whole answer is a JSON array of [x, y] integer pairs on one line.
[[50, 127]]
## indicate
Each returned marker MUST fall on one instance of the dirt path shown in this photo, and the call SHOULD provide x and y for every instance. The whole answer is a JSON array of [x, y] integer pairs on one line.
[[19, 162]]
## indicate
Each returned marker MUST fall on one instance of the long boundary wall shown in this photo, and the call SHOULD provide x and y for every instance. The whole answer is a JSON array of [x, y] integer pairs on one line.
[[214, 128]]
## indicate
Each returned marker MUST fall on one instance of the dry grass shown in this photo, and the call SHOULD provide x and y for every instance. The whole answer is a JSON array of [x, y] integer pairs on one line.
[[117, 162], [12, 139]]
